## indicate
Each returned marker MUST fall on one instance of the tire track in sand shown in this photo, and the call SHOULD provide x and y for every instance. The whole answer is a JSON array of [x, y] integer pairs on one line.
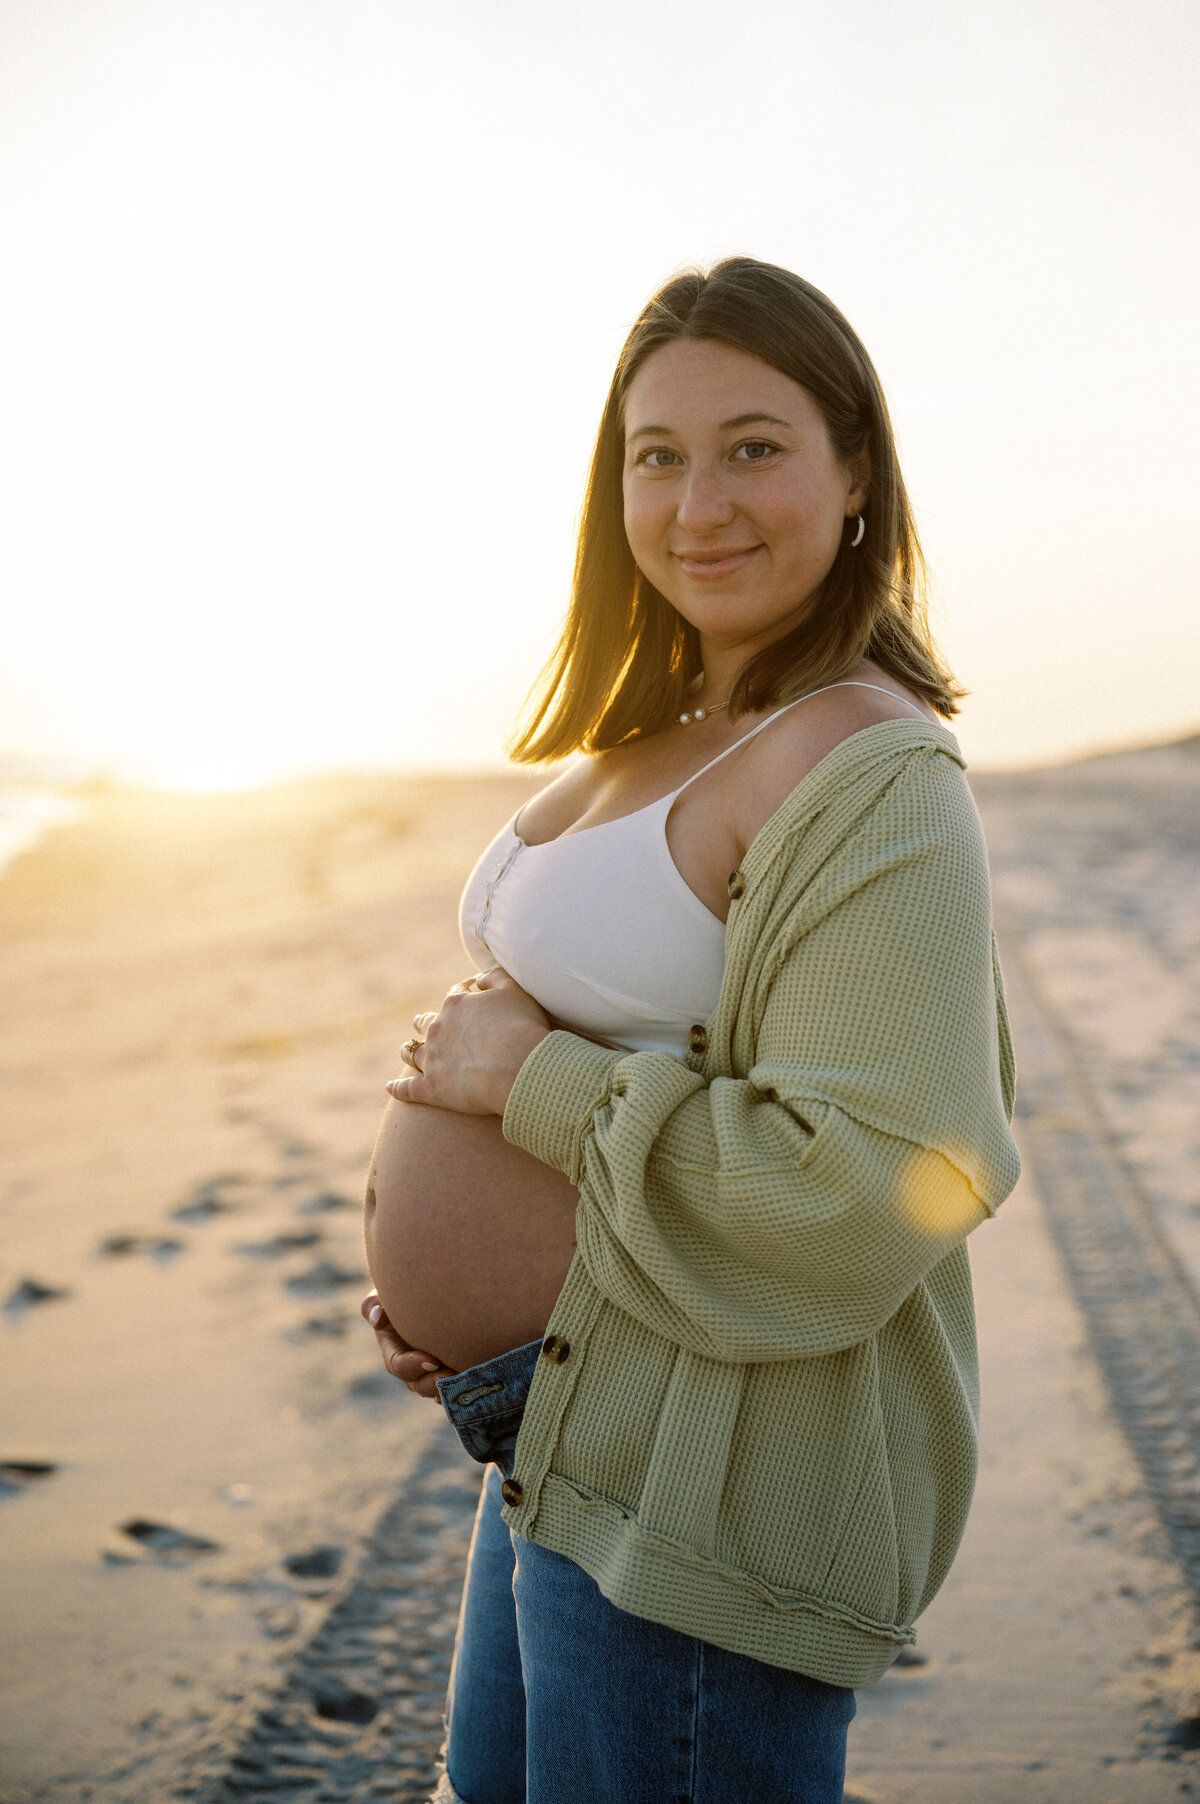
[[1142, 1312], [359, 1713]]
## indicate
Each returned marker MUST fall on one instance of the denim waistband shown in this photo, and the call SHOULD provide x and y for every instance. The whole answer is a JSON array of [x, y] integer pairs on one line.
[[486, 1402]]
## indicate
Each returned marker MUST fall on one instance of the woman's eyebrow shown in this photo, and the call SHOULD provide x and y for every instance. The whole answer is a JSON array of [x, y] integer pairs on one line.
[[742, 419], [754, 419]]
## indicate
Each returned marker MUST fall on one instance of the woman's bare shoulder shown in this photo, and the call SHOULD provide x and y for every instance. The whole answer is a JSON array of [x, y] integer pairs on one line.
[[792, 746]]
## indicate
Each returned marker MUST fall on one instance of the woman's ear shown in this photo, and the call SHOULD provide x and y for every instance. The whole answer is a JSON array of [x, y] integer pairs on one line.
[[859, 469]]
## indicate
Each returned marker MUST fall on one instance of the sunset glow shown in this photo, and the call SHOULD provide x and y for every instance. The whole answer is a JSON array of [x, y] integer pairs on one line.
[[315, 308]]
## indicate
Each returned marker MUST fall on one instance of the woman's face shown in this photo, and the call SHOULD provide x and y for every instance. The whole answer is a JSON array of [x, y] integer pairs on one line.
[[735, 501]]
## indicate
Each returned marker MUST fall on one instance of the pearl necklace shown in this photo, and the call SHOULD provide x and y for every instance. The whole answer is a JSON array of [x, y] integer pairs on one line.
[[691, 714]]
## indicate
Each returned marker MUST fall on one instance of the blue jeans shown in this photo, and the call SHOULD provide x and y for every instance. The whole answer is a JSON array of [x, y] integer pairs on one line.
[[558, 1697], [485, 1404]]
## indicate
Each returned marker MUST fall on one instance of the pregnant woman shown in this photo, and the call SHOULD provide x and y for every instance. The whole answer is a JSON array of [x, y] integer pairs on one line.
[[670, 1206]]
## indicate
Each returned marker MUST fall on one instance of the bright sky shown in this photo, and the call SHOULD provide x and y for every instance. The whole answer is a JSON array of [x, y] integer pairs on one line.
[[309, 308]]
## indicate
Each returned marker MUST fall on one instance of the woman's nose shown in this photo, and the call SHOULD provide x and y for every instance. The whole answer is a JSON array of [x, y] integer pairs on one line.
[[705, 503]]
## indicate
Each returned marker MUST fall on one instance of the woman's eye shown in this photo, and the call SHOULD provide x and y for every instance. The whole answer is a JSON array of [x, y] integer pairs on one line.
[[657, 458], [754, 450]]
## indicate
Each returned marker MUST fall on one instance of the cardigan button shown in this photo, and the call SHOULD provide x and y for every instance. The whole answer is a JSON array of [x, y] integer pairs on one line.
[[555, 1349], [697, 1039], [511, 1491], [737, 885]]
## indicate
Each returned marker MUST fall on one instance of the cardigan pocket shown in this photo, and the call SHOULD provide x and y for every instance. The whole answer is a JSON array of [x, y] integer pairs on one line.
[[685, 1480]]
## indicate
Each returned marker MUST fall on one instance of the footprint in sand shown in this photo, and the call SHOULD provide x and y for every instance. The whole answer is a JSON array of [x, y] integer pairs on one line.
[[209, 1199], [158, 1540], [17, 1475], [160, 1247], [1185, 1734], [340, 1704], [29, 1293], [321, 1327], [280, 1244], [326, 1202], [323, 1277], [317, 1563]]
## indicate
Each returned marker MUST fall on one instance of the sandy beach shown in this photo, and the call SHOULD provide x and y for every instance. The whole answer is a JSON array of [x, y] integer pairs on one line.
[[232, 1542]]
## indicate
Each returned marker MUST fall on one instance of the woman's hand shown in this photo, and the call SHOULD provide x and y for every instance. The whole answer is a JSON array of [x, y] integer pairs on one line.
[[467, 1054], [419, 1371]]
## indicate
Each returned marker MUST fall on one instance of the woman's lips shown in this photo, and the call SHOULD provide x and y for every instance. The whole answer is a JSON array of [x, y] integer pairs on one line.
[[710, 566]]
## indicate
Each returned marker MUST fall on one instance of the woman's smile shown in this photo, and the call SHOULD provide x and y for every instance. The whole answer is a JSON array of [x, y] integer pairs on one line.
[[710, 566]]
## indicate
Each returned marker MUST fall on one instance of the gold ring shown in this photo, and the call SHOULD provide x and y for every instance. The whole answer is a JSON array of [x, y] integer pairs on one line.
[[408, 1053]]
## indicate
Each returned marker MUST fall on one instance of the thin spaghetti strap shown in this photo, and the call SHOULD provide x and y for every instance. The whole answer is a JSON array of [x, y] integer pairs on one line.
[[787, 706], [850, 683]]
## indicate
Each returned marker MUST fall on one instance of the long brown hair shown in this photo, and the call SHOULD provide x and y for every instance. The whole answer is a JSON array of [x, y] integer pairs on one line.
[[625, 656]]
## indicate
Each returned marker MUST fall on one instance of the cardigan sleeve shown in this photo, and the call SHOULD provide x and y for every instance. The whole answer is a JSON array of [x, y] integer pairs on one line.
[[791, 1210]]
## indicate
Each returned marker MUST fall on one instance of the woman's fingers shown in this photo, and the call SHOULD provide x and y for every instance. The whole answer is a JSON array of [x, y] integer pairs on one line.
[[427, 1387], [371, 1310], [392, 1350], [466, 1055], [418, 1370], [412, 1053], [477, 981], [413, 1056], [399, 1087], [391, 1347], [406, 1087]]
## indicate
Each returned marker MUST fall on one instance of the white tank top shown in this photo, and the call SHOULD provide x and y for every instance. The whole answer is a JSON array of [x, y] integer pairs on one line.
[[599, 926]]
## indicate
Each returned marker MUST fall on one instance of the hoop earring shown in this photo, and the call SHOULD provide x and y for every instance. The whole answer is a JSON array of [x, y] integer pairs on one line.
[[860, 534]]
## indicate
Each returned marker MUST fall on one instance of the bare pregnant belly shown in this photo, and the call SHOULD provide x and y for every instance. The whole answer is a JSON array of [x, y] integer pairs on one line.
[[468, 1237]]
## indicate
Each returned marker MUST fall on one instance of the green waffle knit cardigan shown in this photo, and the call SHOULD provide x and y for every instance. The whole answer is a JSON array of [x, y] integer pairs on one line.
[[757, 1418]]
